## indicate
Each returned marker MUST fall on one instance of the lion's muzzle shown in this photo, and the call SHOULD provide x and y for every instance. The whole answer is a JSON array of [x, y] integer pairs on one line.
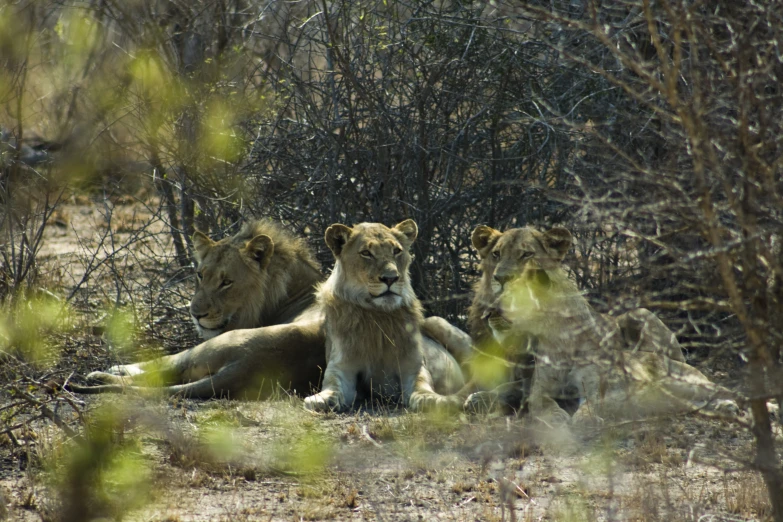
[[495, 319]]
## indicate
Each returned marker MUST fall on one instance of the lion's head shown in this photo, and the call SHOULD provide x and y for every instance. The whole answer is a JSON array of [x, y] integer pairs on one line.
[[523, 282], [244, 280], [518, 253], [371, 264]]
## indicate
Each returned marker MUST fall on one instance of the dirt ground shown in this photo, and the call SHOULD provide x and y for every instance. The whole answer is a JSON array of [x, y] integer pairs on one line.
[[183, 460]]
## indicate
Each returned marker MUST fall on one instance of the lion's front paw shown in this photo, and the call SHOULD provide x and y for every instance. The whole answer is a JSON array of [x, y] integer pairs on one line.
[[727, 407], [125, 370], [103, 378], [323, 402], [774, 412], [480, 402], [587, 419], [434, 402]]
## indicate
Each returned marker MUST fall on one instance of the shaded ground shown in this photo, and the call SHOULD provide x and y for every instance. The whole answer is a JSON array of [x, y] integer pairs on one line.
[[170, 460]]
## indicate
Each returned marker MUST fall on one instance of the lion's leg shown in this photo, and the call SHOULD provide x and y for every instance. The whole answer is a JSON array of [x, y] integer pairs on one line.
[[509, 396], [648, 384], [240, 361], [694, 390], [658, 385], [179, 368], [158, 372], [470, 387], [457, 342], [541, 404], [101, 378], [482, 401], [446, 373], [590, 381], [497, 381], [128, 370], [643, 331], [546, 408], [422, 397], [338, 390]]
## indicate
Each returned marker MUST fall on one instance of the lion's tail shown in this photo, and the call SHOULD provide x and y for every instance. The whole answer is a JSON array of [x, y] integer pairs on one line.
[[204, 388]]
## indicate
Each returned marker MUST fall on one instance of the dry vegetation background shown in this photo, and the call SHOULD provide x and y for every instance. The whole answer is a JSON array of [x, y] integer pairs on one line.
[[652, 130]]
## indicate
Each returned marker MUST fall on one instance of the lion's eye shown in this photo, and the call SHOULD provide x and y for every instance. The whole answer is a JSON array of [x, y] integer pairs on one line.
[[397, 251], [200, 275], [495, 254], [225, 283], [366, 253], [526, 255]]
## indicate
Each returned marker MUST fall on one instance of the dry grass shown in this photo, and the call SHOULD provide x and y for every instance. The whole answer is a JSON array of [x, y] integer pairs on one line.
[[745, 494], [402, 475]]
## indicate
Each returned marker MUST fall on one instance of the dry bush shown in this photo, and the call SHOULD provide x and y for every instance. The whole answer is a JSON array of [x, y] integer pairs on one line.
[[686, 164]]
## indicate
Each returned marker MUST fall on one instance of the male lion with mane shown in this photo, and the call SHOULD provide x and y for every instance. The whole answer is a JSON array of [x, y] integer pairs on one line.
[[373, 320], [261, 277], [255, 306], [627, 366]]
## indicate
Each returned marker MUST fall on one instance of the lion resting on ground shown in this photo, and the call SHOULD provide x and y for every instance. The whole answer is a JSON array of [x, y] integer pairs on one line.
[[261, 277], [373, 321], [255, 305], [626, 366]]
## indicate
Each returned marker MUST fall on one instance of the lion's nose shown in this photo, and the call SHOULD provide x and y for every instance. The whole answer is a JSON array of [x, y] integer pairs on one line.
[[389, 279], [503, 278]]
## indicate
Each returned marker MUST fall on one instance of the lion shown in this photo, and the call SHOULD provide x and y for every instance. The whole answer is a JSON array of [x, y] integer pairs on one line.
[[255, 306], [613, 366], [373, 320]]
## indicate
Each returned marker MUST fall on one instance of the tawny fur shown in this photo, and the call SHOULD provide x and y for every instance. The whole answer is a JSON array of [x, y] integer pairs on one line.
[[275, 336], [272, 276], [372, 321], [630, 365], [263, 331]]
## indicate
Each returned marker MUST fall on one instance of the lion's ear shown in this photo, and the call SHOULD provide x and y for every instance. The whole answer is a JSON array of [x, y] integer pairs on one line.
[[260, 249], [408, 229], [483, 238], [558, 240], [336, 237], [202, 245]]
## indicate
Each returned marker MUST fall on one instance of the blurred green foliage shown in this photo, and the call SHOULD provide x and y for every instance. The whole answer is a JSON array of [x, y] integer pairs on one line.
[[101, 474], [489, 367], [25, 326], [306, 453], [121, 330]]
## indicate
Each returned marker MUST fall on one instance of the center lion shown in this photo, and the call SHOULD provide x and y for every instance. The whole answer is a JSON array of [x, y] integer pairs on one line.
[[372, 322]]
